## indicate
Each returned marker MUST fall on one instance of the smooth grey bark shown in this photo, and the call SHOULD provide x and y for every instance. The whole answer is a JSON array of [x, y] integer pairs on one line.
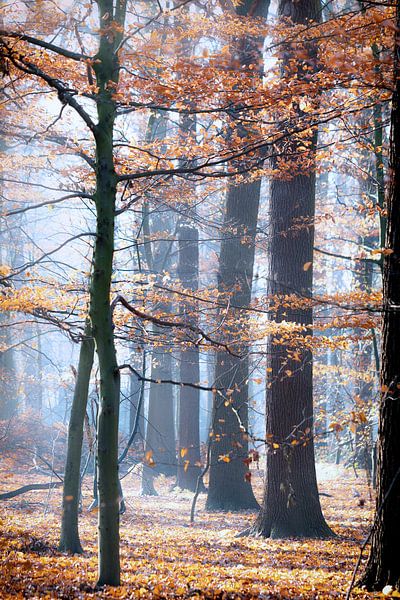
[[33, 373], [106, 68], [8, 375], [291, 506], [189, 461], [160, 452], [229, 489], [69, 537], [160, 436], [383, 567], [135, 392]]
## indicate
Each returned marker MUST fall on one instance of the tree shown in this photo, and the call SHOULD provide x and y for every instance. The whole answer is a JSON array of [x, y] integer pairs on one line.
[[291, 506], [106, 69], [189, 397], [229, 489], [383, 566], [160, 454], [69, 537]]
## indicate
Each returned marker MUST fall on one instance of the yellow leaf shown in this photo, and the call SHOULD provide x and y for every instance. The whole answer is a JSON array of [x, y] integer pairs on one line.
[[306, 266], [184, 451], [224, 458]]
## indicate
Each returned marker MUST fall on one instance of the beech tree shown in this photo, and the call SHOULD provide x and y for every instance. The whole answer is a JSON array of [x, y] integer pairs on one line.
[[291, 506], [383, 568], [111, 20], [229, 489], [189, 397], [69, 537], [245, 125]]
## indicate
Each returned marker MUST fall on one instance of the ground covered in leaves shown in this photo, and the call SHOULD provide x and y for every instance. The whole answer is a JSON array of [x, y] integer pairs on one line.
[[163, 556]]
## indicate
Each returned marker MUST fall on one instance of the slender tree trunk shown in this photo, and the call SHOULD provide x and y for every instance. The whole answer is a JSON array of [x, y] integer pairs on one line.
[[291, 506], [189, 466], [383, 567], [8, 375], [8, 383], [135, 392], [229, 489], [69, 539], [106, 68]]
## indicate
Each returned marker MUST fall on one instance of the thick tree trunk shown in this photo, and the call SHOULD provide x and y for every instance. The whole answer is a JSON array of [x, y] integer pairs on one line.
[[228, 487], [383, 566], [189, 467], [291, 506], [69, 539]]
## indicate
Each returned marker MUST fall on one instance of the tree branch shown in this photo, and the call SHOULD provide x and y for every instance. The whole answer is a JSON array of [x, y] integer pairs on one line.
[[42, 44], [175, 324]]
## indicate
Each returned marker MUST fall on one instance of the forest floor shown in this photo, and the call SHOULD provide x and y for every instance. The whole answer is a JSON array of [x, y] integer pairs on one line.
[[163, 556]]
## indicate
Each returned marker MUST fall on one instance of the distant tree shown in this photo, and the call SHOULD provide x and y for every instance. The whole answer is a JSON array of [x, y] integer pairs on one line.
[[8, 376], [160, 452], [189, 397], [229, 489]]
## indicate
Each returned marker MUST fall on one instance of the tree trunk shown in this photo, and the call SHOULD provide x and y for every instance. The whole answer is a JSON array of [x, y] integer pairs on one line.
[[383, 567], [106, 69], [228, 487], [135, 393], [160, 436], [291, 506], [8, 376], [69, 539], [160, 454], [189, 467]]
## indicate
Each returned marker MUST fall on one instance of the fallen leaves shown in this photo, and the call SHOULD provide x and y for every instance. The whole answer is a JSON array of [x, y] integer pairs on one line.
[[164, 558]]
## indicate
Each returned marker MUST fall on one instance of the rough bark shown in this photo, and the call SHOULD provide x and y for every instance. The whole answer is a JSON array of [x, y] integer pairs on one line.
[[69, 538], [291, 506], [228, 487], [383, 567], [189, 466]]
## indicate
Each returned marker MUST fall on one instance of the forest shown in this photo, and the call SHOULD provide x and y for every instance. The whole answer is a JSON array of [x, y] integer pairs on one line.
[[200, 299]]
